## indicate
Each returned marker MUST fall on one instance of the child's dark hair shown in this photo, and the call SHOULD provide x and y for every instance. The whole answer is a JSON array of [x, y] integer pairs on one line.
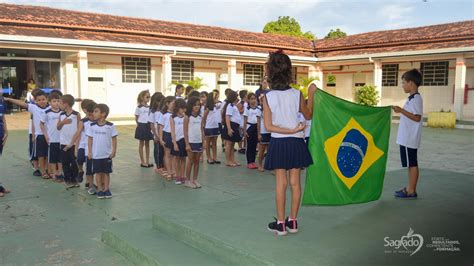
[[179, 86], [103, 108], [69, 99], [188, 90], [193, 93], [279, 70], [227, 91], [413, 75], [250, 95], [166, 100], [203, 94], [88, 105], [243, 93], [178, 104], [39, 93], [35, 92], [210, 101], [191, 103], [141, 96], [55, 95], [155, 102], [231, 98]]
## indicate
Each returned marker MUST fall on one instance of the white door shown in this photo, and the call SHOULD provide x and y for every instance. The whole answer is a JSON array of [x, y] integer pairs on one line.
[[97, 84]]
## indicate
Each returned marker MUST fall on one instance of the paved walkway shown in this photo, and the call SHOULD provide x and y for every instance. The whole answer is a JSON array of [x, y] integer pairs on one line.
[[43, 223]]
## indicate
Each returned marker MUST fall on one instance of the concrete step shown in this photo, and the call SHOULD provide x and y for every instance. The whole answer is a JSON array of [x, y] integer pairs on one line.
[[142, 245], [219, 248]]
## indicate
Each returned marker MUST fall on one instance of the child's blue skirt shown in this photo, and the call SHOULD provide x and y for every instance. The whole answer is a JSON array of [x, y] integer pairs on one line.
[[143, 132], [287, 153]]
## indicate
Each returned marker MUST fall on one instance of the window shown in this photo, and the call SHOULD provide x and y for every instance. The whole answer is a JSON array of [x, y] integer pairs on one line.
[[182, 70], [435, 73], [136, 70], [390, 75], [295, 74], [253, 74]]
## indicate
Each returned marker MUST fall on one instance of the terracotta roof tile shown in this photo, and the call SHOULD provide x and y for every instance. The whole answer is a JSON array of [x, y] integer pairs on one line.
[[125, 38], [401, 37], [50, 17]]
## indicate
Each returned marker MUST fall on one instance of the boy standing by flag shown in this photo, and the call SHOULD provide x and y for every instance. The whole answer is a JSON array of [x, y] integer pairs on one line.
[[409, 131]]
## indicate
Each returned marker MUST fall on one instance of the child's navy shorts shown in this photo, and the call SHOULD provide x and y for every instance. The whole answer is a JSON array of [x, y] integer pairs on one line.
[[265, 138], [102, 166], [181, 152], [196, 147], [41, 146], [31, 148], [408, 156], [54, 152], [168, 140], [81, 156], [211, 132]]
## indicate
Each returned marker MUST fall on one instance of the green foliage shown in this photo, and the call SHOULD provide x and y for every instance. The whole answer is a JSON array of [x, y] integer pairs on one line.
[[334, 34], [197, 83], [287, 26], [303, 84], [367, 95], [331, 79]]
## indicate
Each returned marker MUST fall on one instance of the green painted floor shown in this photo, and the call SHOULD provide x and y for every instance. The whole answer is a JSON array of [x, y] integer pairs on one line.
[[151, 221]]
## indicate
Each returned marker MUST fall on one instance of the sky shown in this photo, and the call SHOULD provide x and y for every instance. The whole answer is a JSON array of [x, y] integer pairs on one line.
[[317, 16]]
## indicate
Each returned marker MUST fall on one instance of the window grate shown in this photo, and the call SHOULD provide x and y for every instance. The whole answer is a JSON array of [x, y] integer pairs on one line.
[[136, 70]]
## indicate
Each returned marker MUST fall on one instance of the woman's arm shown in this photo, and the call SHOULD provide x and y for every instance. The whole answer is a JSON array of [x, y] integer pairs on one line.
[[89, 147], [204, 116], [267, 120], [17, 102], [114, 147], [230, 132], [245, 126]]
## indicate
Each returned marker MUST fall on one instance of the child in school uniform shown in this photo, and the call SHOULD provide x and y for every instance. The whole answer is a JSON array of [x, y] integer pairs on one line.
[[179, 91], [102, 148], [232, 132], [211, 120], [49, 128], [251, 119], [153, 118], [87, 107], [287, 151], [409, 131], [179, 144], [3, 138], [242, 105], [31, 137], [143, 131], [68, 125], [193, 135], [40, 146], [263, 139], [165, 136]]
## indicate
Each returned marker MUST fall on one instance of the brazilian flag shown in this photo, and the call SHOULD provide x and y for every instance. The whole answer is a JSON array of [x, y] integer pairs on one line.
[[349, 146]]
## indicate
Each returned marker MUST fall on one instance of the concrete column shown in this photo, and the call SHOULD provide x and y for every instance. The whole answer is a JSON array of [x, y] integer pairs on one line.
[[460, 82], [166, 76], [232, 74], [317, 72], [83, 79], [378, 80]]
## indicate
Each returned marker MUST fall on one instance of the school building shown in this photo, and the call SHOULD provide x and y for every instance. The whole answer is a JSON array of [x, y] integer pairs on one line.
[[112, 58]]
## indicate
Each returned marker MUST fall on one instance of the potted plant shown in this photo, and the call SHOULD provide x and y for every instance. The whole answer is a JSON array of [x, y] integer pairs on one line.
[[367, 95]]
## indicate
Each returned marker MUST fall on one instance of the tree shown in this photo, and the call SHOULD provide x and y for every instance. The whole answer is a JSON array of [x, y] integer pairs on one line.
[[334, 34], [303, 85], [287, 26]]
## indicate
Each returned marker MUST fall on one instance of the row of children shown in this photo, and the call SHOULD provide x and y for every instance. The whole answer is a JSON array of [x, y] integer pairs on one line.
[[165, 118], [61, 142]]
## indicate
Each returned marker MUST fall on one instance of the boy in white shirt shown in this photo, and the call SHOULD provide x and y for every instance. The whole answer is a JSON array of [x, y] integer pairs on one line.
[[49, 127], [40, 146], [409, 131], [102, 147], [68, 125]]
